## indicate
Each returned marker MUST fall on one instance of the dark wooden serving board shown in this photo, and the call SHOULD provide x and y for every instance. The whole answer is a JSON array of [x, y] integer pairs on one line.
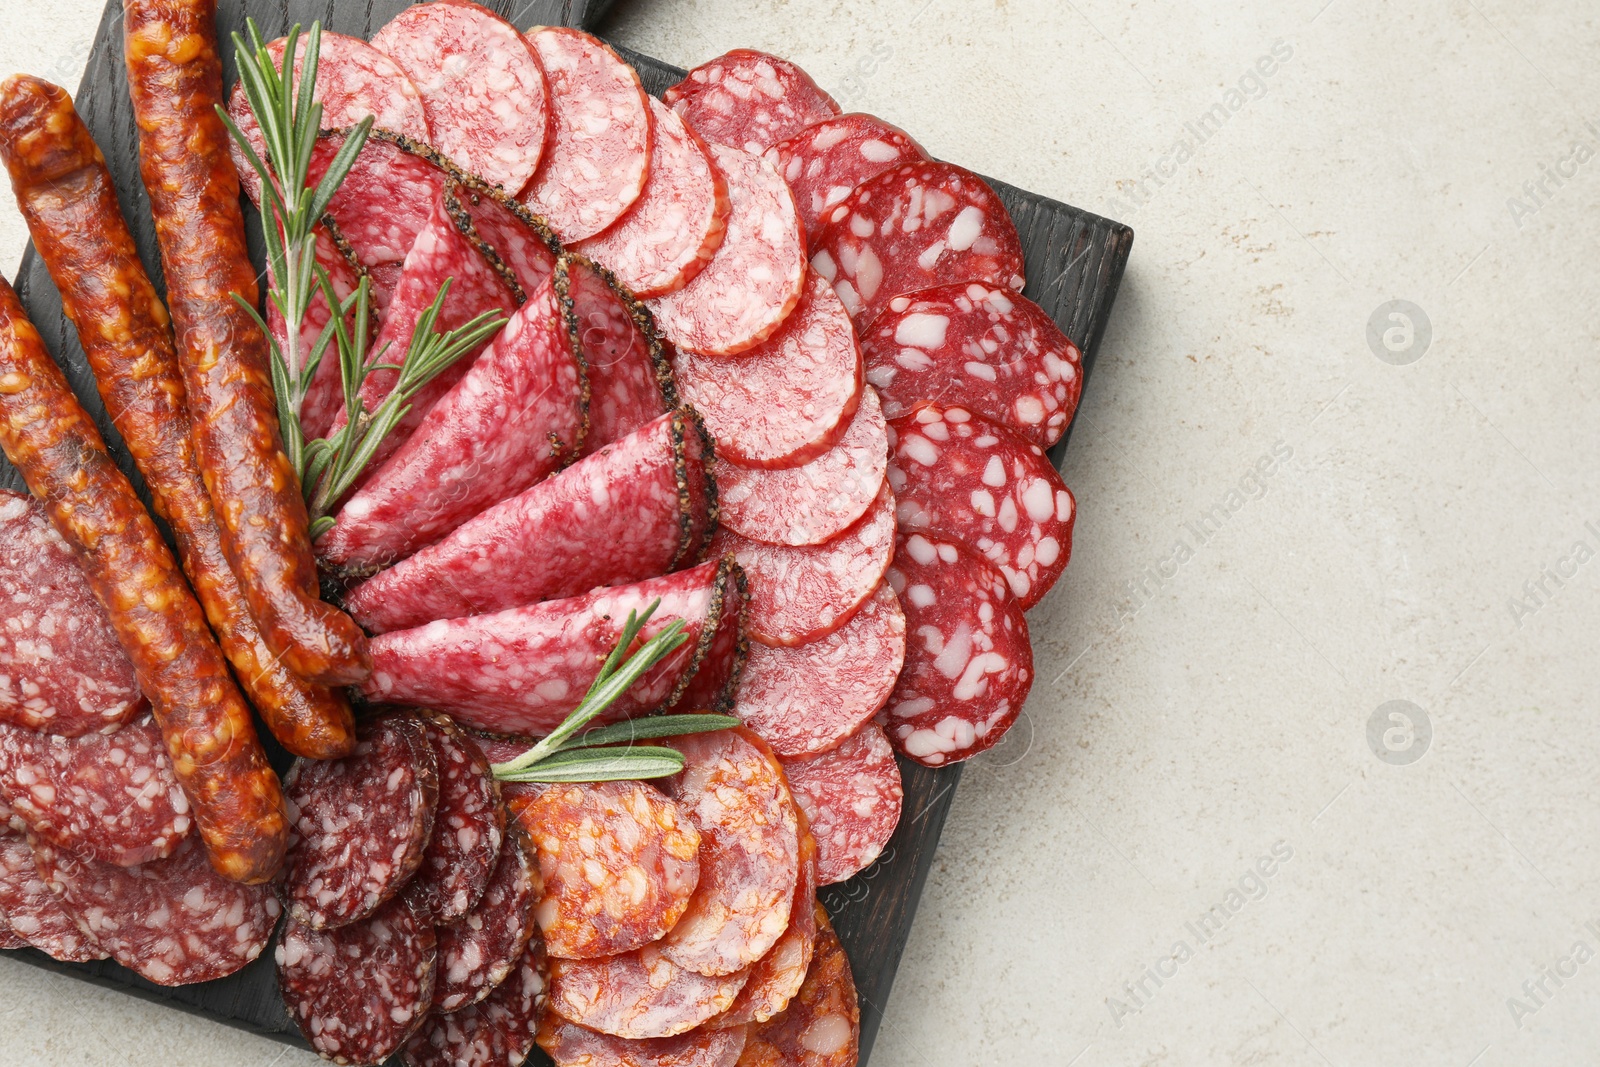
[[1075, 262]]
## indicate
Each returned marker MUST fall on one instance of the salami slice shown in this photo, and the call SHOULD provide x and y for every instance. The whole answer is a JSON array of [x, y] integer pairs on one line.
[[755, 279], [477, 953], [520, 241], [713, 686], [777, 976], [630, 382], [174, 921], [826, 160], [749, 100], [806, 700], [789, 399], [802, 594], [324, 398], [639, 994], [851, 797], [110, 796], [359, 992], [468, 828], [9, 938], [983, 348], [61, 668], [571, 1045], [733, 787], [484, 92], [361, 823], [599, 154], [959, 475], [35, 914], [817, 501], [383, 203], [822, 1025], [619, 862], [497, 1032], [969, 663], [523, 670], [917, 225]]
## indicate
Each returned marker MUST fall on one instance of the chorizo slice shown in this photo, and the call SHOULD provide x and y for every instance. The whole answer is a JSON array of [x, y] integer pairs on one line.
[[639, 994], [776, 977], [822, 1025], [571, 1045]]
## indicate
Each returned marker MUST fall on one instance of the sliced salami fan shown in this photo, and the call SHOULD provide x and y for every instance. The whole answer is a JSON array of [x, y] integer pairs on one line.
[[497, 1032], [755, 279], [61, 668], [822, 1025], [959, 475], [826, 160], [468, 828], [733, 788], [175, 921], [789, 399], [522, 670], [383, 203], [986, 349], [750, 100], [324, 398], [35, 914], [777, 976], [477, 953], [917, 225], [109, 796], [969, 663], [674, 228], [640, 994], [358, 992], [520, 242], [713, 686], [599, 154], [801, 594], [630, 382], [808, 699], [851, 797], [815, 502], [485, 95], [361, 823], [571, 1045], [619, 862]]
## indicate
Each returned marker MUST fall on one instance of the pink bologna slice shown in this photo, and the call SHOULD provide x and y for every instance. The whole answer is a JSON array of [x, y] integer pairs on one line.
[[639, 995], [469, 826], [959, 475], [917, 225], [755, 280], [826, 160], [477, 953], [497, 1032], [481, 86], [802, 594], [776, 977], [673, 229], [571, 1045], [986, 349], [629, 380], [599, 154], [521, 671], [749, 100], [969, 663], [851, 797], [33, 912], [61, 667], [809, 699], [789, 399], [324, 398]]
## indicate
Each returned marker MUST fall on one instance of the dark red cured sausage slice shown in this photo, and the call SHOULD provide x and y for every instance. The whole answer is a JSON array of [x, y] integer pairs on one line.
[[361, 823], [789, 399], [749, 100], [358, 992], [917, 225], [35, 914], [640, 994], [61, 668], [755, 279], [571, 1045], [851, 797], [801, 594], [822, 1025], [986, 349], [673, 229], [498, 1032], [630, 382], [959, 475], [110, 796], [777, 976], [482, 88], [520, 240], [969, 663], [477, 953], [808, 699], [324, 398], [621, 515], [815, 502], [522, 670], [468, 828], [174, 921], [826, 160], [599, 153], [9, 938]]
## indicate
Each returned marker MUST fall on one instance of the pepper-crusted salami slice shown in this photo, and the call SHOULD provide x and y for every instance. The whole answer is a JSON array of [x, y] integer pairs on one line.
[[362, 823], [33, 912], [518, 239], [175, 921], [468, 828], [358, 992], [808, 699], [748, 99], [713, 686], [969, 663], [571, 1045], [983, 348], [816, 501], [851, 797], [789, 399], [959, 475], [801, 594], [498, 1032], [755, 279], [822, 1025], [477, 953], [826, 160], [483, 90], [630, 382], [61, 668], [917, 225], [640, 994], [776, 977], [383, 203]]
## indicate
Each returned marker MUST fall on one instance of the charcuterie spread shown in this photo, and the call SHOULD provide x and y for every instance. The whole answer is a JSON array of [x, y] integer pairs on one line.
[[602, 499]]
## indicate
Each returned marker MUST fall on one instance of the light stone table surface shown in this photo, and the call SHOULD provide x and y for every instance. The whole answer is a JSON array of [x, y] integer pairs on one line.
[[1212, 839]]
